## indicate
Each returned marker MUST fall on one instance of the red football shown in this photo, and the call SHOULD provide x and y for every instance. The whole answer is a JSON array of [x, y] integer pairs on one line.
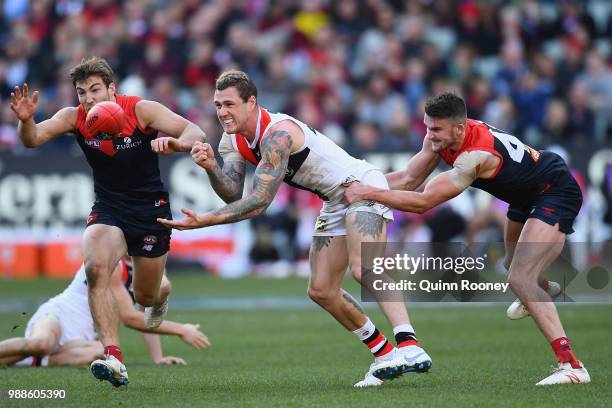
[[105, 118]]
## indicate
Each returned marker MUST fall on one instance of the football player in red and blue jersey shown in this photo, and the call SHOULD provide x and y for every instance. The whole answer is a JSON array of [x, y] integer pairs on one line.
[[130, 195], [543, 197]]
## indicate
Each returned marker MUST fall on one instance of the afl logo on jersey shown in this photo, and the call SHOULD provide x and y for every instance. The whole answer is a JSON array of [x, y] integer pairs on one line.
[[149, 242], [150, 239], [93, 143]]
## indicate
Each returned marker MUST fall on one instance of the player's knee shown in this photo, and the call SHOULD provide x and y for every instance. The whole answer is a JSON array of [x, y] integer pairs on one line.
[[320, 296], [356, 272], [39, 346], [95, 271], [516, 282], [144, 299]]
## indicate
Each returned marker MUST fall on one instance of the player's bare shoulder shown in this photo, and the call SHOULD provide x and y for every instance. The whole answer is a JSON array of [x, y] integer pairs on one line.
[[227, 151], [146, 111], [289, 130], [68, 116]]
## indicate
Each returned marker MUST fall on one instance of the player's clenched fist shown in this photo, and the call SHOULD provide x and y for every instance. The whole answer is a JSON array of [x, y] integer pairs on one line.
[[204, 155]]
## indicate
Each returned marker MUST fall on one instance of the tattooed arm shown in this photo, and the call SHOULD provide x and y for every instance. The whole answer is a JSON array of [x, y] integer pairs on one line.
[[275, 148], [227, 181]]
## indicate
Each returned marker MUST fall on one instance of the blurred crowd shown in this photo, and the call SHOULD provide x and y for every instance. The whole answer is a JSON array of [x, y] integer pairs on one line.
[[357, 70]]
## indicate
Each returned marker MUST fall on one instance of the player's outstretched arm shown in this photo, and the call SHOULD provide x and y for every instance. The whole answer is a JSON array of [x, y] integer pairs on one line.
[[153, 343], [183, 133], [134, 319], [437, 191], [32, 134], [275, 149], [227, 181], [418, 169]]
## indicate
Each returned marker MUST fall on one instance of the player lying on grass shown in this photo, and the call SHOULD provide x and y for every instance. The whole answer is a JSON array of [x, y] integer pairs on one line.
[[61, 332], [544, 200]]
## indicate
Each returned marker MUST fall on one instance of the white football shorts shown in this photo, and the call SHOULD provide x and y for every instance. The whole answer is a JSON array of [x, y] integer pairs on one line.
[[331, 220], [76, 323]]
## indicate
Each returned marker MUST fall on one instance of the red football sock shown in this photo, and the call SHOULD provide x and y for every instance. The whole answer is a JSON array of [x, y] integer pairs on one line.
[[378, 344], [114, 351], [563, 351]]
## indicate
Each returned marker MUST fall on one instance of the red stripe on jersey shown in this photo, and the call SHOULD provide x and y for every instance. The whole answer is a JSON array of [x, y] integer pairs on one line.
[[243, 144], [477, 137], [379, 339], [245, 151]]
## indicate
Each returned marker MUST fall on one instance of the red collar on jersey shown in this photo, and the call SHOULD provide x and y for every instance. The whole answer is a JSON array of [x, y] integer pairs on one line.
[[244, 147]]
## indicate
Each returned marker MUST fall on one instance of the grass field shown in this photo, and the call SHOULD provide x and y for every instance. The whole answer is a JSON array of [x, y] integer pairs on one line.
[[301, 357]]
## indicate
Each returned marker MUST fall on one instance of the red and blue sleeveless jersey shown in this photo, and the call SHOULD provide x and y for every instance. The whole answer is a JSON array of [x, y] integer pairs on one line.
[[522, 173], [125, 169]]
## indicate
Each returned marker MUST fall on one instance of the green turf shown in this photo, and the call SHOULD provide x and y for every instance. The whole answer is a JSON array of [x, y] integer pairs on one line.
[[303, 358]]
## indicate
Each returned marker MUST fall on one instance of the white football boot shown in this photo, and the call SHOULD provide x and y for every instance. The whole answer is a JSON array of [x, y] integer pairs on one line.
[[385, 368], [416, 359], [154, 315], [111, 370], [565, 374], [369, 380], [517, 310]]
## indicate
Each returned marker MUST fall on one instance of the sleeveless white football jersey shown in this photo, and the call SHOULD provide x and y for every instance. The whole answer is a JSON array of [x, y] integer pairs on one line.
[[320, 166]]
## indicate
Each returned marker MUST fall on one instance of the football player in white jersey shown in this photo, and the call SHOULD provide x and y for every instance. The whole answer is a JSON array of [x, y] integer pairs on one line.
[[61, 332], [284, 149]]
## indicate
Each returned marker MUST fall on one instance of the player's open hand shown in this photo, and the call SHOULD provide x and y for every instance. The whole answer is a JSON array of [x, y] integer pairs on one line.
[[166, 145], [191, 221], [203, 155], [22, 104], [355, 191], [192, 335], [171, 360]]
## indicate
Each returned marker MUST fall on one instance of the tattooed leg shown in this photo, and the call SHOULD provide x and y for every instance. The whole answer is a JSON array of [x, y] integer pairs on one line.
[[319, 242], [349, 298], [369, 225]]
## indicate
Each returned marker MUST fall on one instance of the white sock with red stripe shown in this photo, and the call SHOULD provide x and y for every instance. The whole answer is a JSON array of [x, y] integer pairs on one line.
[[404, 336], [376, 341]]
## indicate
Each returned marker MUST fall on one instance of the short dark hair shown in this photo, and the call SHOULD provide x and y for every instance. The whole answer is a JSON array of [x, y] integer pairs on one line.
[[447, 105], [90, 67], [239, 80]]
